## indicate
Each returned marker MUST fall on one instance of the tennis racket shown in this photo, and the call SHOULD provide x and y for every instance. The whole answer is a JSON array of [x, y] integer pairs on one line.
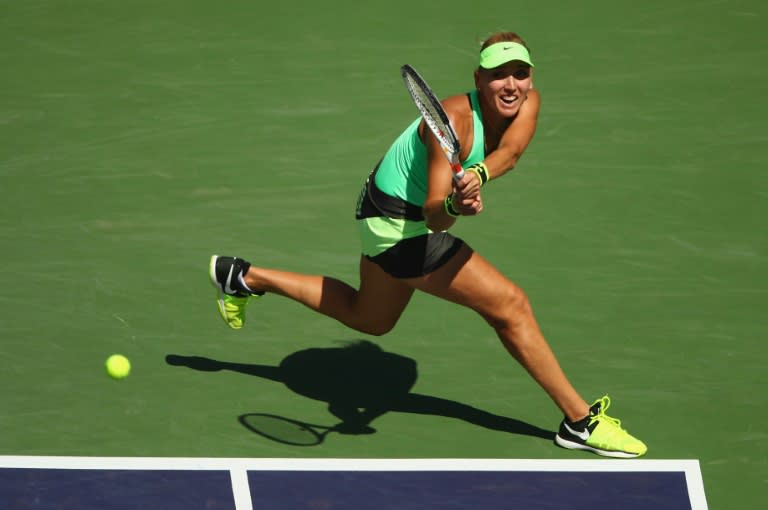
[[434, 116]]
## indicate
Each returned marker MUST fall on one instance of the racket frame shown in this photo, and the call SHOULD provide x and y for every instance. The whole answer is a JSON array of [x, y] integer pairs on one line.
[[441, 126]]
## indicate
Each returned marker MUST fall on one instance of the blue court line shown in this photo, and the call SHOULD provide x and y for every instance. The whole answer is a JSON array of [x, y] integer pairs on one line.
[[246, 484]]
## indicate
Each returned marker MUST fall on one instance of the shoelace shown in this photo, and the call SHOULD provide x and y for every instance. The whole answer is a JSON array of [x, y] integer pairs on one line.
[[605, 403]]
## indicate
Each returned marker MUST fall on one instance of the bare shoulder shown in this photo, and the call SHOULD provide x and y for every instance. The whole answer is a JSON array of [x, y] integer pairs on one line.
[[534, 99], [459, 111], [457, 106]]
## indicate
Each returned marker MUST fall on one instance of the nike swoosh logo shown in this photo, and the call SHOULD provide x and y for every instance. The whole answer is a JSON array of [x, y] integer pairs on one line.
[[583, 435], [227, 288]]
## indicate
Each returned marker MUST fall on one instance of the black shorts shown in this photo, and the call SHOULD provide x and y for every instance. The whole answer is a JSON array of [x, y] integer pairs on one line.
[[418, 256]]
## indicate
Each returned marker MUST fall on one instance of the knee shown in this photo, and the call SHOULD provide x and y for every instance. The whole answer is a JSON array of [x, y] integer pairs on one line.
[[512, 309]]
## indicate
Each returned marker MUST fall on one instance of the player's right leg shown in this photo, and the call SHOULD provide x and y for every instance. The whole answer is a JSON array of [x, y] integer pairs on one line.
[[373, 309], [232, 297]]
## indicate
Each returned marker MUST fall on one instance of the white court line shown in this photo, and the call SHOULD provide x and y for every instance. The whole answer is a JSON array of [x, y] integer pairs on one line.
[[241, 490], [238, 467], [695, 483]]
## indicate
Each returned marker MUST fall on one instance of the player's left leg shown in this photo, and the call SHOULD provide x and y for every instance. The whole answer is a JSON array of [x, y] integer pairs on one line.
[[468, 279]]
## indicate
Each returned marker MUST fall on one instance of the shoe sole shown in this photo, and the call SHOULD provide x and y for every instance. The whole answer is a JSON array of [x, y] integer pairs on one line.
[[605, 453]]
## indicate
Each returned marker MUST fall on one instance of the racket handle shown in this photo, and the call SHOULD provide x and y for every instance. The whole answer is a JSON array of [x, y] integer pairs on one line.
[[458, 171]]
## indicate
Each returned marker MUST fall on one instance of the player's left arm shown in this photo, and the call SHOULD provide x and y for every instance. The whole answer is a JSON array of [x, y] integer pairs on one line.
[[516, 138]]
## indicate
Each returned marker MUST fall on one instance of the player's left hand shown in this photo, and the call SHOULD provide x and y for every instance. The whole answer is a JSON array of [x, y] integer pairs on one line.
[[469, 207]]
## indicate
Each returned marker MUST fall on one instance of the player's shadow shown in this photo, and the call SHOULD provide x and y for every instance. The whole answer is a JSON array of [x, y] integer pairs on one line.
[[361, 382]]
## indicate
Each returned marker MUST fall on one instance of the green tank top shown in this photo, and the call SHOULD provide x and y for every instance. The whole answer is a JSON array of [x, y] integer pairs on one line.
[[402, 172]]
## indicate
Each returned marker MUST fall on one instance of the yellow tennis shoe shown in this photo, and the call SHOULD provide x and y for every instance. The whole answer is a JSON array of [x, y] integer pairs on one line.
[[600, 433], [232, 296]]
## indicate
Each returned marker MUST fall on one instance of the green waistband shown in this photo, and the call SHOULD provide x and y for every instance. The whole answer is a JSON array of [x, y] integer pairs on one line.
[[381, 233]]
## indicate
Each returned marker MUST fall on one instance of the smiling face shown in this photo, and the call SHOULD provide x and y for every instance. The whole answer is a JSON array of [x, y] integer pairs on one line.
[[503, 89]]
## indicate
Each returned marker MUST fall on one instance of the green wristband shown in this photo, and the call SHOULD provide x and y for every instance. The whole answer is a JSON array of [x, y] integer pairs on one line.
[[481, 171], [449, 207]]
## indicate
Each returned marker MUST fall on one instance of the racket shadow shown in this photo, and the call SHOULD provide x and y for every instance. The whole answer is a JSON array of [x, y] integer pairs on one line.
[[359, 382], [285, 430]]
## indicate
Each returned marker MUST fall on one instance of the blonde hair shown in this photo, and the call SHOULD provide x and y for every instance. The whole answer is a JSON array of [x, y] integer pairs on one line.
[[503, 37]]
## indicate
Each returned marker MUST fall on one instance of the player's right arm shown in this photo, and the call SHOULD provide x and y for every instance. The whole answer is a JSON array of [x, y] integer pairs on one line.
[[439, 184]]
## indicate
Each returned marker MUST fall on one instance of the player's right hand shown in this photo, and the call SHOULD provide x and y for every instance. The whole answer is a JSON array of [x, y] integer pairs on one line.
[[466, 195]]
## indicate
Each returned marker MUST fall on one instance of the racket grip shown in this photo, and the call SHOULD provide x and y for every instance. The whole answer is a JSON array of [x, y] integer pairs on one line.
[[458, 171]]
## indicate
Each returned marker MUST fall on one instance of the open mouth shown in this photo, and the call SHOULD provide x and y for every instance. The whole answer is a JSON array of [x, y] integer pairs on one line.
[[508, 100]]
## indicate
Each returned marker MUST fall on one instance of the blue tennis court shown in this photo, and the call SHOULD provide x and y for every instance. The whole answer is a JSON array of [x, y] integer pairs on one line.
[[84, 483]]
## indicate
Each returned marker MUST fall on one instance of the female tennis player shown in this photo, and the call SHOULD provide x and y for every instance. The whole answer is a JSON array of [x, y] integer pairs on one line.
[[405, 209]]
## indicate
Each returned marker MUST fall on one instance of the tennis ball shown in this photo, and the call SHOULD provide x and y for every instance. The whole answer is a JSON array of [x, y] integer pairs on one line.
[[118, 366]]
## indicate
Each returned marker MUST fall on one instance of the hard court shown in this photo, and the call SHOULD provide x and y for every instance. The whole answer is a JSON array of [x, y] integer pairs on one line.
[[138, 138]]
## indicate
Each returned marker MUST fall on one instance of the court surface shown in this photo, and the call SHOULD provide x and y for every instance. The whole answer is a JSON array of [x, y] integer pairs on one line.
[[138, 138]]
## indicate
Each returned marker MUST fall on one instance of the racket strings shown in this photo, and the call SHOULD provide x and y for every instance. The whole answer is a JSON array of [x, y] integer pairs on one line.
[[432, 114]]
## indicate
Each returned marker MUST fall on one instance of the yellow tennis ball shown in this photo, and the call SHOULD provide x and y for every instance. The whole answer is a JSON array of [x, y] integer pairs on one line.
[[118, 366]]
